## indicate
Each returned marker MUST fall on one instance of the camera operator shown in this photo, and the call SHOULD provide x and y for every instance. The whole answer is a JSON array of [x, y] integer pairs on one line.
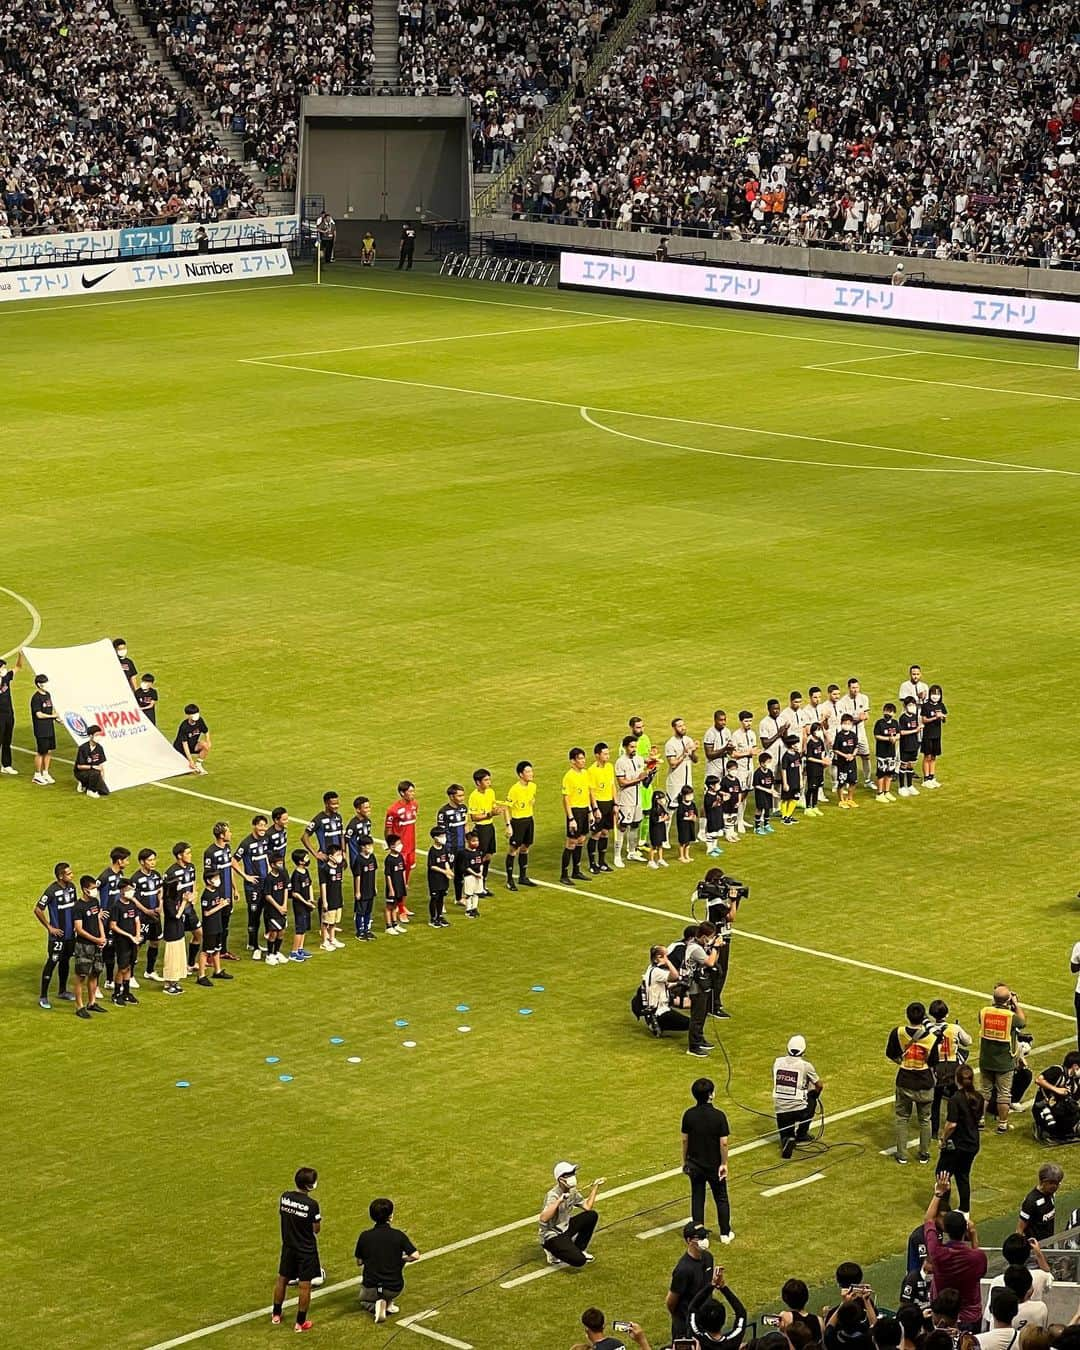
[[656, 985], [998, 1025], [699, 960], [1056, 1110], [721, 896], [796, 1089]]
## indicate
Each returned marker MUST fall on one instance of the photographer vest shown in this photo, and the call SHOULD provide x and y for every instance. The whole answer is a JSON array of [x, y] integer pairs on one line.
[[915, 1072]]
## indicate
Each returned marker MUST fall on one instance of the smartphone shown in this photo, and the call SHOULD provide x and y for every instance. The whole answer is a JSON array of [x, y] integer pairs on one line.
[[683, 1345], [622, 1326], [770, 1320]]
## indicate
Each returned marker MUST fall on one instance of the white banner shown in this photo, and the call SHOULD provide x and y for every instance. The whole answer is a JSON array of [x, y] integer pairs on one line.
[[87, 686], [64, 282], [139, 240], [825, 296]]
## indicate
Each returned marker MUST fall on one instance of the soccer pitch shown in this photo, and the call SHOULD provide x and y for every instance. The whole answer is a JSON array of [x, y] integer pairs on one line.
[[403, 527]]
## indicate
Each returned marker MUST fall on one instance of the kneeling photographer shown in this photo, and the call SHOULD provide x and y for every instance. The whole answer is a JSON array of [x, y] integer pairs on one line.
[[652, 1002], [1056, 1109], [721, 896]]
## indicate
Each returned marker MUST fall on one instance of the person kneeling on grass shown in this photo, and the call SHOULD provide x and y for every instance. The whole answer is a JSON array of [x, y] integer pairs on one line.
[[565, 1235], [382, 1253], [193, 739]]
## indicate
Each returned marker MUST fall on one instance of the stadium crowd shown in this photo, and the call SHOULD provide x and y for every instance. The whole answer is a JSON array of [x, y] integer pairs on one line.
[[252, 62], [91, 133], [944, 130], [511, 60]]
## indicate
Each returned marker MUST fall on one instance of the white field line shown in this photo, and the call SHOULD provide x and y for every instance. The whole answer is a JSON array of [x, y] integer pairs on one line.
[[664, 1228], [701, 327], [531, 1275], [413, 1324], [907, 975], [890, 1152], [657, 417], [169, 293], [419, 342], [815, 463], [945, 384], [35, 620], [794, 1185], [851, 360]]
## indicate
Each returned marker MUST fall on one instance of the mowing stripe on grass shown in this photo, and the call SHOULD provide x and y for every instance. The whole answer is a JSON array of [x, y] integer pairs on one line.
[[664, 1228], [659, 417], [453, 337], [181, 293], [704, 327], [943, 384]]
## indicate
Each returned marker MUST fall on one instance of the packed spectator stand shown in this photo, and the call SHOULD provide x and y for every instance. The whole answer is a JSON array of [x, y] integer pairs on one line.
[[947, 130], [251, 62], [512, 59], [92, 135]]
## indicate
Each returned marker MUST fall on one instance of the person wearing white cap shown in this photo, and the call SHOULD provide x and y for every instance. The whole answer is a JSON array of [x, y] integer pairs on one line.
[[796, 1089], [565, 1235]]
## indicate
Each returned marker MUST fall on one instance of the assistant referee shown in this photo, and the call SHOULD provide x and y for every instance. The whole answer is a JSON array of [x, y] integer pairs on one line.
[[579, 806], [520, 825]]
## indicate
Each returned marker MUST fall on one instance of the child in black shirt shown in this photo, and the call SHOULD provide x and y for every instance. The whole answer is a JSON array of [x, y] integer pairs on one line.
[[686, 818], [302, 904], [731, 789], [886, 736], [908, 725], [764, 785], [365, 872], [815, 758], [713, 805], [440, 873], [395, 882], [659, 815], [933, 715], [845, 749], [791, 785]]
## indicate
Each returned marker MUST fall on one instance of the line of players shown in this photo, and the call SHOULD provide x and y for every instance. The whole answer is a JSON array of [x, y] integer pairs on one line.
[[99, 926]]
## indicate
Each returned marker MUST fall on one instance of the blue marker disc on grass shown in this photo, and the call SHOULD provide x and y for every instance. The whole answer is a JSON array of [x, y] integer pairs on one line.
[[183, 1083], [400, 1022], [525, 1012], [271, 1059], [284, 1077], [337, 1040]]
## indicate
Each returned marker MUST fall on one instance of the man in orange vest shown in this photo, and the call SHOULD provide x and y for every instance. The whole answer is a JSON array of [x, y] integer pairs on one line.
[[998, 1025], [913, 1048]]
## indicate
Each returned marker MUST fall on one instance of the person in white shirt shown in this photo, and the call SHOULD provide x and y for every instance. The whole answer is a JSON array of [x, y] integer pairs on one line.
[[814, 712], [796, 1088], [771, 734], [1031, 1309], [1004, 1306], [788, 720], [630, 772], [680, 750], [1017, 1250], [829, 717], [655, 994], [915, 687], [717, 745], [857, 704], [744, 749]]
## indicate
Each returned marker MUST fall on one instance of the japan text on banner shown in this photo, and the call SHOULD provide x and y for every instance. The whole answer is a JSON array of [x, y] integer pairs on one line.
[[88, 686]]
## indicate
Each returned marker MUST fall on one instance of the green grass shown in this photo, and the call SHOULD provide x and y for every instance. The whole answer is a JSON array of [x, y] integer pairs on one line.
[[362, 578]]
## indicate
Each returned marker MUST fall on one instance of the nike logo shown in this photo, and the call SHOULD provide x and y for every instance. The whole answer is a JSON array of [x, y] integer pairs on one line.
[[89, 285]]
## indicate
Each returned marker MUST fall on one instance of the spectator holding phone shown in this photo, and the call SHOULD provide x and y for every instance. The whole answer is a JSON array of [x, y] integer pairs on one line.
[[593, 1320], [693, 1272], [708, 1317]]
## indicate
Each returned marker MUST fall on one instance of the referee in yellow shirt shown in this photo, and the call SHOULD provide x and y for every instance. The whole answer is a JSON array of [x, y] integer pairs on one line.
[[520, 826], [602, 785], [579, 807], [483, 809]]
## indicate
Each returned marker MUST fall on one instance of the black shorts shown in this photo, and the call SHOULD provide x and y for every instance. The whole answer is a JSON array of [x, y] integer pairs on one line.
[[931, 743], [191, 919], [657, 833], [45, 744], [301, 919], [762, 800], [89, 959], [909, 750], [57, 947], [212, 939], [847, 773], [522, 832], [124, 948], [151, 930], [607, 816], [302, 1266], [887, 765], [485, 839], [790, 792], [275, 922], [580, 816]]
